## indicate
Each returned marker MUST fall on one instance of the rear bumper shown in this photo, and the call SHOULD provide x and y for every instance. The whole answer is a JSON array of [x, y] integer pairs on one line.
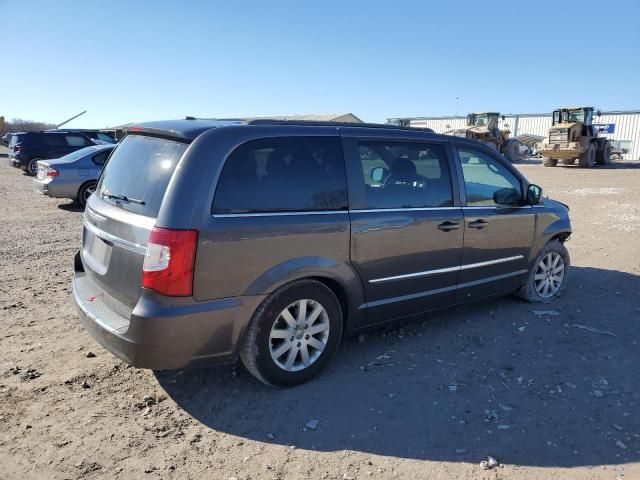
[[159, 336], [16, 162], [56, 188]]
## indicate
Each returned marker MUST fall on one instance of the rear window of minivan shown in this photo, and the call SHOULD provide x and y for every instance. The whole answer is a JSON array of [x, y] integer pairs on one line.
[[139, 170]]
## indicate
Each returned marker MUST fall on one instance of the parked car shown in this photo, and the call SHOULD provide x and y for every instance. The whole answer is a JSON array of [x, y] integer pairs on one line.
[[5, 138], [270, 240], [26, 148], [99, 137], [73, 176]]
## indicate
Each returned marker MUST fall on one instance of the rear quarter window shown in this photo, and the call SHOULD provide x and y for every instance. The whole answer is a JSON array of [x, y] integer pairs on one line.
[[292, 174], [140, 169]]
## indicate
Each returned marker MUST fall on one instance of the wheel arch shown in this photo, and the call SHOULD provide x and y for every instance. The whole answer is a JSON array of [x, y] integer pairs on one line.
[[339, 277]]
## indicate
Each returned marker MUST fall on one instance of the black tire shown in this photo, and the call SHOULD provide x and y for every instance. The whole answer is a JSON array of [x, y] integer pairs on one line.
[[255, 349], [587, 159], [511, 150], [604, 156], [528, 291], [84, 192], [549, 162], [569, 161], [32, 167]]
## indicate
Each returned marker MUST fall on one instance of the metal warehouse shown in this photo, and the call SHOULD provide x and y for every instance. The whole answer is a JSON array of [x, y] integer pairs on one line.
[[621, 127]]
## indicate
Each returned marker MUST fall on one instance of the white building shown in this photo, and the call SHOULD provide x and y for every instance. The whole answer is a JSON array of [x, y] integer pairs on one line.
[[623, 128]]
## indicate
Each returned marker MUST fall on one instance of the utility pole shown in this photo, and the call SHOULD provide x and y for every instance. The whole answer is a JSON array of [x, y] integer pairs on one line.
[[457, 99], [72, 118]]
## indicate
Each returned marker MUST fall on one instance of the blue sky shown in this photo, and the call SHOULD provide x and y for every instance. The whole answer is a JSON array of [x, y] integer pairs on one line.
[[127, 61]]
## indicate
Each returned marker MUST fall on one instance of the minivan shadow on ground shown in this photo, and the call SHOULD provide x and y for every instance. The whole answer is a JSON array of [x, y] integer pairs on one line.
[[559, 387]]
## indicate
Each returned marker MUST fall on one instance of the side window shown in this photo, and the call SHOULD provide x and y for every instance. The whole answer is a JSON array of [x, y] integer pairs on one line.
[[293, 174], [101, 157], [76, 140], [105, 138], [54, 140], [405, 175], [486, 181]]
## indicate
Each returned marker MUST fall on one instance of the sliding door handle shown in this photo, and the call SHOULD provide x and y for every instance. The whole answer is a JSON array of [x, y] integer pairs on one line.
[[478, 224], [446, 226]]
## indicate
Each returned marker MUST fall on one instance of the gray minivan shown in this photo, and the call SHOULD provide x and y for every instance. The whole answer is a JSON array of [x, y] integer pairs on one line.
[[269, 240]]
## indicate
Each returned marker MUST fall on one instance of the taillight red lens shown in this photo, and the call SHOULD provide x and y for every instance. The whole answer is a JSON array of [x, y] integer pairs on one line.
[[52, 173], [168, 264], [17, 148]]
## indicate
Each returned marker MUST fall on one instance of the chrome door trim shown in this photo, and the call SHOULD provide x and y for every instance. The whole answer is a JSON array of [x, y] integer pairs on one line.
[[120, 242], [277, 214], [468, 266], [413, 296]]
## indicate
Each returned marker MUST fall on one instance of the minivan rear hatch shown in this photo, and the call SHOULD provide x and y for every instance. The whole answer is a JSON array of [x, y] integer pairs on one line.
[[122, 213]]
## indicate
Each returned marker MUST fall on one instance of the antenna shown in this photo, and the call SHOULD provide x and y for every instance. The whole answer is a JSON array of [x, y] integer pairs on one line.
[[72, 118]]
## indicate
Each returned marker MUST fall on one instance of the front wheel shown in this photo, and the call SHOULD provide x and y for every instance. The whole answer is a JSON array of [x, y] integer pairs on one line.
[[548, 277], [293, 335]]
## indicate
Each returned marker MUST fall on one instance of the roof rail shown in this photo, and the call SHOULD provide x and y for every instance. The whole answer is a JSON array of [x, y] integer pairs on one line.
[[315, 123]]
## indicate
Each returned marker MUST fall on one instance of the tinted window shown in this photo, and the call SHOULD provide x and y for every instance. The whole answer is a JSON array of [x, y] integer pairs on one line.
[[101, 157], [405, 175], [140, 168], [76, 140], [55, 140], [487, 181], [283, 174], [105, 138]]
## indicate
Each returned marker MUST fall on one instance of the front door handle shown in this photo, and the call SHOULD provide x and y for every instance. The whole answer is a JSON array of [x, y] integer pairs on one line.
[[478, 224], [446, 226]]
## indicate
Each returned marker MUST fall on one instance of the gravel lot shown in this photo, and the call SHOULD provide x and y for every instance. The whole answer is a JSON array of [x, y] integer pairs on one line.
[[555, 395]]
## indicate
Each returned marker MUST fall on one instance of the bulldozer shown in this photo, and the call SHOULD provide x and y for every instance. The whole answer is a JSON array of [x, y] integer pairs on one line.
[[484, 128], [572, 138]]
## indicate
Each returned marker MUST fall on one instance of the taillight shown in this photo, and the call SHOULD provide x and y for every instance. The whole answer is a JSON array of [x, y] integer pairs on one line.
[[168, 264], [52, 173], [17, 148]]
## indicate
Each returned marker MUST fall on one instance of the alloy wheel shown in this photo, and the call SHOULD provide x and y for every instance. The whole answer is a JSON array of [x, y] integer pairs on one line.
[[549, 275], [299, 335]]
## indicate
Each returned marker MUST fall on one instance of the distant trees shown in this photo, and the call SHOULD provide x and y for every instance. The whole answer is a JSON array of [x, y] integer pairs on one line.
[[20, 125]]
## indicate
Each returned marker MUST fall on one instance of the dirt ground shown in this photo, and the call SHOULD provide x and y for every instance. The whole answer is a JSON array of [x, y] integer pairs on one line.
[[549, 395]]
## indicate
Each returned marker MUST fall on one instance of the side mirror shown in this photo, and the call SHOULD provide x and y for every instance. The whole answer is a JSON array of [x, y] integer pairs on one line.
[[534, 194], [377, 174], [508, 197]]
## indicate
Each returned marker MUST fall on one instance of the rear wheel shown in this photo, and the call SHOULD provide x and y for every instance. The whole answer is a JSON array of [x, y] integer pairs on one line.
[[548, 277], [569, 161], [293, 335], [32, 167], [549, 162], [604, 155], [85, 192], [587, 159], [511, 150]]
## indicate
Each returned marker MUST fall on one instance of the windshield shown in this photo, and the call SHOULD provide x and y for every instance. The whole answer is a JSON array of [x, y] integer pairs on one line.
[[138, 172], [572, 116]]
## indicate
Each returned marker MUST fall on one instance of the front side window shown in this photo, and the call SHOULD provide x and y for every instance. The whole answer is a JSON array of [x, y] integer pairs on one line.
[[486, 181], [285, 174], [405, 175]]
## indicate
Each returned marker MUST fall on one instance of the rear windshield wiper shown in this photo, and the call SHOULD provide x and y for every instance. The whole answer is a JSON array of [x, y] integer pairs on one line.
[[115, 196]]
